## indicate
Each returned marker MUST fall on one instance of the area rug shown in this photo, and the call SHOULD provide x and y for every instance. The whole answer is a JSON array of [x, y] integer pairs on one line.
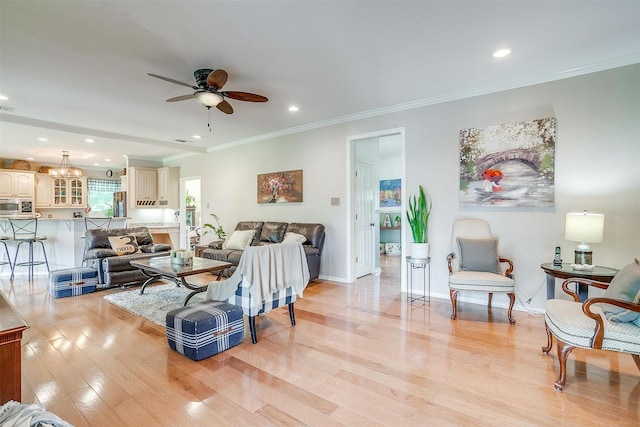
[[155, 302]]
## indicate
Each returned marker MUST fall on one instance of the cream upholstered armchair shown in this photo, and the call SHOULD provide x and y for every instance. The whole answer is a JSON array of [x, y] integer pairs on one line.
[[474, 264], [610, 322]]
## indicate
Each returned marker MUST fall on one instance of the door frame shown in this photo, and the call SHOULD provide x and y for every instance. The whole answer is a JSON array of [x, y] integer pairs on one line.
[[351, 142]]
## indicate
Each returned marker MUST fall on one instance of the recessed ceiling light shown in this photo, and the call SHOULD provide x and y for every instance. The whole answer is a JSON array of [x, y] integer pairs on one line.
[[501, 53], [30, 158], [197, 136], [89, 140], [107, 160], [96, 164], [3, 98], [293, 108], [42, 139]]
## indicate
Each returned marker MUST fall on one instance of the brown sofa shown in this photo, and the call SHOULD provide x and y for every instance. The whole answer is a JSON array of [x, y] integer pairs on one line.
[[114, 269], [267, 233]]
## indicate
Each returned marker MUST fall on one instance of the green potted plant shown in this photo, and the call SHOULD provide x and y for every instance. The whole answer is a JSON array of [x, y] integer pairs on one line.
[[217, 228], [418, 218], [190, 200]]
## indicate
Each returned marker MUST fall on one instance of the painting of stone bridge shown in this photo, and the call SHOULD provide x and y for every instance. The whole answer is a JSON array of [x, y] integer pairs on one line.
[[508, 165]]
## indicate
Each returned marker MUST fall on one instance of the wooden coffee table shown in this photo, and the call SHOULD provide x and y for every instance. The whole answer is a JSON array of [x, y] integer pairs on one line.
[[161, 267]]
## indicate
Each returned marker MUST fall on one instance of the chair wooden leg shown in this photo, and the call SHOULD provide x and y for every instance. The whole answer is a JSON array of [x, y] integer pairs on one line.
[[292, 315], [563, 352], [636, 358], [547, 349], [490, 298], [252, 329], [512, 300], [454, 303]]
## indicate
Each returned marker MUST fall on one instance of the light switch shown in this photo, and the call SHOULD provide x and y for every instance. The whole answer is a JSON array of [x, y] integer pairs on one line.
[[335, 201]]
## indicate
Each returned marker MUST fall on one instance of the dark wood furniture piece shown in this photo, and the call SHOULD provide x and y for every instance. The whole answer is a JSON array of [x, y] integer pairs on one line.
[[162, 267], [11, 327], [199, 250], [601, 274]]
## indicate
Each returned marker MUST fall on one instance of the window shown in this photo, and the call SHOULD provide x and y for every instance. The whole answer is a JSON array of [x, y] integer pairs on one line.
[[100, 195]]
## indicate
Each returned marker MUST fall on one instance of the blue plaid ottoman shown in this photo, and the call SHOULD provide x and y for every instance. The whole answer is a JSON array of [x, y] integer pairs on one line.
[[205, 328], [72, 281]]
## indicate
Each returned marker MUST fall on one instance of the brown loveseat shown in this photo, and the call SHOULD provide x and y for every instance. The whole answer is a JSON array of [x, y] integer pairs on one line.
[[269, 233], [114, 269]]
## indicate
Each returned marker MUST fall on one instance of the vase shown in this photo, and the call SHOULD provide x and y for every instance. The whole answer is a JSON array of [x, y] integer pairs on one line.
[[419, 250], [274, 196]]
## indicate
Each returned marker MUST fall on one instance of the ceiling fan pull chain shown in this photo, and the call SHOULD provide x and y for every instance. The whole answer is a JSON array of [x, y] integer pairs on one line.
[[209, 123]]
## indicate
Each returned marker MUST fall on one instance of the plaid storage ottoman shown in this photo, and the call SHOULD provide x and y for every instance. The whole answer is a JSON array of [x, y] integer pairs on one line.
[[72, 281], [205, 328]]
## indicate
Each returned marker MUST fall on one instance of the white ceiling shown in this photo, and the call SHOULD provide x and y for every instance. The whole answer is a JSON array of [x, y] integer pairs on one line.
[[78, 69]]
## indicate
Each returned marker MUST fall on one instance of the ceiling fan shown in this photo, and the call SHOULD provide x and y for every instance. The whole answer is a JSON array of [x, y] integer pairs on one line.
[[208, 90]]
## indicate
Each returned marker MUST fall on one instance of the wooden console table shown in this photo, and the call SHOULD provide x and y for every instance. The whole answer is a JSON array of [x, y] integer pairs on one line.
[[11, 327]]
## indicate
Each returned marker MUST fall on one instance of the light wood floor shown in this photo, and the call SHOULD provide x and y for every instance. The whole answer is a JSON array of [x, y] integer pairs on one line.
[[359, 355]]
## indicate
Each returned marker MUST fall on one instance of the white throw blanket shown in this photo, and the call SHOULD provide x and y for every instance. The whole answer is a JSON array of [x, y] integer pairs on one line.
[[265, 270]]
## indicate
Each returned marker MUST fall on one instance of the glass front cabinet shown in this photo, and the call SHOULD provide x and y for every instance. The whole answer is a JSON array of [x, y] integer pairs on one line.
[[69, 192]]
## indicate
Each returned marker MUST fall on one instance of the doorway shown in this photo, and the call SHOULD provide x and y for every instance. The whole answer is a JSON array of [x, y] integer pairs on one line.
[[374, 158], [190, 212]]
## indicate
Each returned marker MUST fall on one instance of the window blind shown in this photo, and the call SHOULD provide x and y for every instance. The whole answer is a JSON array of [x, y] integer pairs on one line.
[[107, 185]]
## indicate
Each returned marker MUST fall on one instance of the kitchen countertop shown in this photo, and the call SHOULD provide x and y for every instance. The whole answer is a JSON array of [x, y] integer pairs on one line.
[[154, 225]]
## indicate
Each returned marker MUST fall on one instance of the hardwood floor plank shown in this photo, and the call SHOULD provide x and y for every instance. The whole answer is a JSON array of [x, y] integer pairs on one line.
[[360, 354]]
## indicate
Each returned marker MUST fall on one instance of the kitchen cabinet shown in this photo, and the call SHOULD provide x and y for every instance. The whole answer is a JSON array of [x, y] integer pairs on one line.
[[44, 191], [143, 187], [17, 184], [69, 193], [168, 187]]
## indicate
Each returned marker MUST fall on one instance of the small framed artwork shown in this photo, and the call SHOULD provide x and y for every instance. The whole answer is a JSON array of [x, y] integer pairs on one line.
[[280, 187], [390, 193]]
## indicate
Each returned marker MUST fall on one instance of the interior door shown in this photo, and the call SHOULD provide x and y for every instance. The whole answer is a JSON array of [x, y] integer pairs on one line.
[[364, 221]]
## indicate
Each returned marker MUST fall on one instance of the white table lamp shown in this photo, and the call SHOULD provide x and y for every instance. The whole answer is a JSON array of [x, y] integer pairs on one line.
[[584, 228]]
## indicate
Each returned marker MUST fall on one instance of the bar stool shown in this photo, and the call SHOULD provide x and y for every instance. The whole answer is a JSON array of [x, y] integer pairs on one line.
[[3, 240], [94, 223], [26, 231]]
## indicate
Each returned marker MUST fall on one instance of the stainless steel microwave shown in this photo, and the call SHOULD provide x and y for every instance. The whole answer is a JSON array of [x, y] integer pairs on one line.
[[16, 207]]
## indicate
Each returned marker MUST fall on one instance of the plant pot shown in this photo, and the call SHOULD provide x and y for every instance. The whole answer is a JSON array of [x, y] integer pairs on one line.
[[419, 250]]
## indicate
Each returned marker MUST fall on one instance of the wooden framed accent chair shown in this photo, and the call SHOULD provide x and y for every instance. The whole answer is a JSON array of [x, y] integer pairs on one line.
[[610, 322], [474, 264]]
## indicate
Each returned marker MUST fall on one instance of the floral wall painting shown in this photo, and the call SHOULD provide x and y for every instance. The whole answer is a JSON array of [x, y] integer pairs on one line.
[[390, 193], [508, 165], [280, 187]]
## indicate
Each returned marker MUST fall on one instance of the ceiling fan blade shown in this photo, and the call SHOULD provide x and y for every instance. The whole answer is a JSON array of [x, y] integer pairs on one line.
[[225, 107], [217, 79], [245, 96], [180, 98], [172, 81]]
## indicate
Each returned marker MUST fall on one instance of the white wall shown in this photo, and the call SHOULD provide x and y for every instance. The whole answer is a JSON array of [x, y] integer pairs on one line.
[[597, 158]]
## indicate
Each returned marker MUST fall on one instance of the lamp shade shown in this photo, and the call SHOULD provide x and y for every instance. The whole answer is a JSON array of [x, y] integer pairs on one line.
[[584, 227]]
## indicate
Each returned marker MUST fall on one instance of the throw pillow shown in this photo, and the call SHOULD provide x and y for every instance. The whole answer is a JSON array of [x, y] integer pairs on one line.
[[239, 240], [124, 245], [479, 255], [294, 237], [625, 286]]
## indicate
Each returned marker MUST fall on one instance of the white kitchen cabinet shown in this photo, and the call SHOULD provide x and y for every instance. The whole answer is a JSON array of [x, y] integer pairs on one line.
[[168, 187], [17, 184], [143, 184], [44, 191], [69, 193]]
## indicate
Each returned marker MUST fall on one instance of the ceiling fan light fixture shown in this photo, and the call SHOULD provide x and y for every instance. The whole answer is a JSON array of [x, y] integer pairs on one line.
[[208, 99], [66, 169]]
